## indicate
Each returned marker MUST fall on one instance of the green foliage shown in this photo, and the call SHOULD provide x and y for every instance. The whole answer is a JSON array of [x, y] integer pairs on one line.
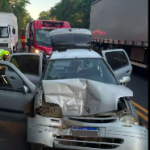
[[44, 15], [76, 12], [5, 6], [18, 8]]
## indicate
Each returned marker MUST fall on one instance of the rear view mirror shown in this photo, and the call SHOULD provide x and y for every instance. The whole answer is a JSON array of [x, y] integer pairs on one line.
[[25, 89], [125, 79], [14, 31]]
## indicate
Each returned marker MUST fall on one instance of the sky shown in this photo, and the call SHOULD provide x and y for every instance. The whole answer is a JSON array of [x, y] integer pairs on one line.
[[37, 6]]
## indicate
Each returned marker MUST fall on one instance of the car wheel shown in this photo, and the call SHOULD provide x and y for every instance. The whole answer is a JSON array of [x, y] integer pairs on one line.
[[36, 147]]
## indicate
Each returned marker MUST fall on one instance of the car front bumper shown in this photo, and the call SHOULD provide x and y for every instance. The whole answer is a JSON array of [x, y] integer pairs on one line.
[[113, 135]]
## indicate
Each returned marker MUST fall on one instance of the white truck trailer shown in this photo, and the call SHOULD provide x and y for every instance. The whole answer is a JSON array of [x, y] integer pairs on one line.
[[123, 24], [8, 32]]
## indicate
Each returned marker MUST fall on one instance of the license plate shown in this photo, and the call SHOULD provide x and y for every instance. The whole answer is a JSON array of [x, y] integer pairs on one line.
[[85, 131]]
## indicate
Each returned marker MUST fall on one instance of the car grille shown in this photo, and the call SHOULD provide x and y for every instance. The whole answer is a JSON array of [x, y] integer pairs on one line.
[[3, 45], [88, 142], [94, 120]]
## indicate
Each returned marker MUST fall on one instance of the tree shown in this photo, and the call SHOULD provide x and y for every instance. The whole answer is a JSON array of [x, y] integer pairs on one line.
[[44, 15], [20, 12], [76, 12], [5, 6], [18, 8]]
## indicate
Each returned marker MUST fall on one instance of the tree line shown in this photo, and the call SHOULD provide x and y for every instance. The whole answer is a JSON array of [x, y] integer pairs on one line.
[[76, 12], [18, 8]]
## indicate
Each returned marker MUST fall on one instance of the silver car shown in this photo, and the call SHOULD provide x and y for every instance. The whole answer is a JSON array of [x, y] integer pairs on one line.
[[80, 101]]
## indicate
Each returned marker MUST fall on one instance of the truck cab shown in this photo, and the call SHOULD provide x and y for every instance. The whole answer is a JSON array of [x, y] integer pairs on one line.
[[8, 32], [36, 31]]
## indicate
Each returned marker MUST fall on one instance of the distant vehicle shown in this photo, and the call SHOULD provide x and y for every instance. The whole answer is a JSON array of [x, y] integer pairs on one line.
[[23, 38], [123, 24], [8, 32], [36, 31], [79, 102]]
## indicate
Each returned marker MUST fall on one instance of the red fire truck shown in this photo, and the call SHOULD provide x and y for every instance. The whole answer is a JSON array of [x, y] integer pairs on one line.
[[23, 38], [36, 31]]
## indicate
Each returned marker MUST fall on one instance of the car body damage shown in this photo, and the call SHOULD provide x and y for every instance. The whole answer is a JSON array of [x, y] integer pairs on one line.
[[62, 104], [82, 97]]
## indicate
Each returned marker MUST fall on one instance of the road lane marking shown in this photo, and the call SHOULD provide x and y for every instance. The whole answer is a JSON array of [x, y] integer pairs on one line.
[[142, 116], [140, 107]]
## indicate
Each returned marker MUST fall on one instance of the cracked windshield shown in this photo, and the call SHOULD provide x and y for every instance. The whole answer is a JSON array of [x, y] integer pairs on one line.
[[74, 74]]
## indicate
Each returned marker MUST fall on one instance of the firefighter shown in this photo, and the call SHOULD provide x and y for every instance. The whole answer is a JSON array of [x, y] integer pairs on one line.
[[4, 55]]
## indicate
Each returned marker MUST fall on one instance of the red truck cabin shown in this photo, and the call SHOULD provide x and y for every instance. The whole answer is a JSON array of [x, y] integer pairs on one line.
[[37, 41]]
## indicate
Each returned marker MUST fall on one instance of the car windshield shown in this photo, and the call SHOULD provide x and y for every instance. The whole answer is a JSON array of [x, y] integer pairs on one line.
[[41, 38], [3, 32], [92, 69]]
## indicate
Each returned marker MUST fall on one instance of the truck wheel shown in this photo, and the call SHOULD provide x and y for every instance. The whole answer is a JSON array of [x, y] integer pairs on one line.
[[36, 147], [15, 49]]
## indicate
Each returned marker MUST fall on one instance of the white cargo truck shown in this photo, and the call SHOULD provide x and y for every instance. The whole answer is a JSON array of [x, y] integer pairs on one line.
[[8, 32]]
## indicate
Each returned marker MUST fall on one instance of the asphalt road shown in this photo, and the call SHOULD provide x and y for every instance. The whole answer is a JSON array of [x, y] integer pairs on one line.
[[13, 126]]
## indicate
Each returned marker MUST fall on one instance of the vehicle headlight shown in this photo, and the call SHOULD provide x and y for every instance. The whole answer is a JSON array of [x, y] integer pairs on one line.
[[37, 51], [129, 119]]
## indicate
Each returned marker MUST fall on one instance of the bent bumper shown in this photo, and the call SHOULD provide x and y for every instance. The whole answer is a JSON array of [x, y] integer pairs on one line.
[[46, 131]]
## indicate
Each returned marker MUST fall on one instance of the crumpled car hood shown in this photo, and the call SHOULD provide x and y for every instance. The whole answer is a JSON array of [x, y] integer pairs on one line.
[[81, 97]]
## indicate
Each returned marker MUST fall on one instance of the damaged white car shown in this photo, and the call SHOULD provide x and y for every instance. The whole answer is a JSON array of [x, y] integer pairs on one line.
[[80, 102]]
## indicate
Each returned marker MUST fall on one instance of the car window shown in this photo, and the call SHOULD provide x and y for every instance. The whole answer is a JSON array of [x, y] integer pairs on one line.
[[92, 69], [116, 60], [10, 81], [3, 32], [28, 64]]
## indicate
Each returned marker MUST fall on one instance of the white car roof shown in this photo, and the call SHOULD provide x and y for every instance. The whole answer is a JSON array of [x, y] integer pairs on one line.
[[69, 31], [75, 53]]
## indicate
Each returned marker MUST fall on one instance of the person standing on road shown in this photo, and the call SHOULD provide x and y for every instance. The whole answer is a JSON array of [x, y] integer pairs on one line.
[[4, 55], [1, 56]]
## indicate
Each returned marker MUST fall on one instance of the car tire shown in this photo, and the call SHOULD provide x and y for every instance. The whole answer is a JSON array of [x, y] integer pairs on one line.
[[36, 147]]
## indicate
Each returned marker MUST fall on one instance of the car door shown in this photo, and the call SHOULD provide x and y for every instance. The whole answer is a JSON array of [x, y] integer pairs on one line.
[[30, 64], [13, 97], [119, 61]]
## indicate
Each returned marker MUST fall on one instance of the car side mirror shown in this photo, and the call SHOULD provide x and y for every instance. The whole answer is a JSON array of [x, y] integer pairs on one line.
[[125, 79], [14, 31], [25, 89]]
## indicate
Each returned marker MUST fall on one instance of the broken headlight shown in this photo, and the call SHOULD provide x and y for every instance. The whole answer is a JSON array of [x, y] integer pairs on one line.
[[129, 119]]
